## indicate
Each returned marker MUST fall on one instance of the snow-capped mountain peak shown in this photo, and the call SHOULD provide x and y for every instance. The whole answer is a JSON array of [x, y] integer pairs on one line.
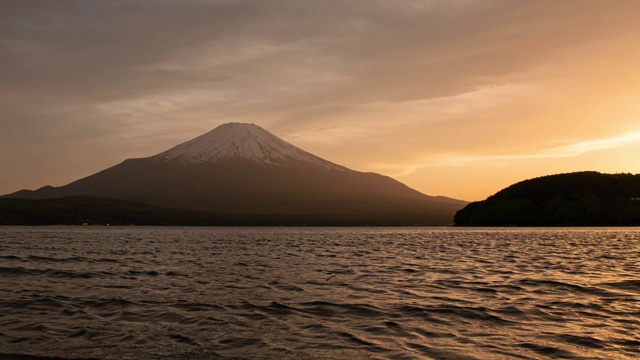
[[240, 140]]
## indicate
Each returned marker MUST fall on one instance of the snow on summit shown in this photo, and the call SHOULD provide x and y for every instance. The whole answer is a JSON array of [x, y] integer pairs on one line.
[[238, 140]]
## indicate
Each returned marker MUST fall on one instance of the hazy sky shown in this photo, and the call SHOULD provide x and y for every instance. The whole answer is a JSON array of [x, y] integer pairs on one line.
[[457, 98]]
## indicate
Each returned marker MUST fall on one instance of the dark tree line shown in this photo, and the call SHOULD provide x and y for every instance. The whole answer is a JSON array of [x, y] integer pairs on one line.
[[574, 199], [101, 211]]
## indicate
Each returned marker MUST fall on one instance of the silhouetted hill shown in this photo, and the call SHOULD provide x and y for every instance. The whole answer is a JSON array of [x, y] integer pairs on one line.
[[574, 199]]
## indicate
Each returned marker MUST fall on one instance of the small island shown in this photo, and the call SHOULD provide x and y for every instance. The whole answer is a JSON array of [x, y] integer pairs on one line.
[[586, 198]]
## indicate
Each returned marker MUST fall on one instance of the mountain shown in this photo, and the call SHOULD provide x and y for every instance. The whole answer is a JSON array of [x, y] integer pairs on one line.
[[243, 169], [574, 199]]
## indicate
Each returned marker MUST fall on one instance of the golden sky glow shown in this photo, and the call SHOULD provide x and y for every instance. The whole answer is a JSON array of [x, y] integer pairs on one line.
[[455, 98]]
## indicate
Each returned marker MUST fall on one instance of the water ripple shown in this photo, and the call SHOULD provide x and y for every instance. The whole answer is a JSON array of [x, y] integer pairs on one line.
[[289, 293]]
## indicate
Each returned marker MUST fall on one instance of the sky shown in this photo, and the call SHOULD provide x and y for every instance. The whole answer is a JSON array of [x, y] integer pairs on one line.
[[456, 98]]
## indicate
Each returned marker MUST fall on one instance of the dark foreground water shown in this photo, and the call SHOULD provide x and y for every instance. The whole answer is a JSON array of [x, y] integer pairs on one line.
[[348, 293]]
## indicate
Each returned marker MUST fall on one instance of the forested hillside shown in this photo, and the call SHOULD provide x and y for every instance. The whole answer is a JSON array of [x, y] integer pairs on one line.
[[574, 199]]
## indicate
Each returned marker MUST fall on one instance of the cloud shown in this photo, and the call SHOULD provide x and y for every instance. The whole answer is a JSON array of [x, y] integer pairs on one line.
[[360, 82], [564, 151]]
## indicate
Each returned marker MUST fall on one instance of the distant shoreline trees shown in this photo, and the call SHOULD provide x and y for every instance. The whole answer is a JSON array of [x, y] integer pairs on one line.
[[575, 199]]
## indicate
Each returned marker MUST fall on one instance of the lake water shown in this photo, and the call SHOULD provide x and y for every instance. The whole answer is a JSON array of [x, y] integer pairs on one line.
[[319, 293]]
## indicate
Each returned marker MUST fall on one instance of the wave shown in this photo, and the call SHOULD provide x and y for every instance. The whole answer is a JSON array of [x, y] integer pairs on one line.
[[54, 273], [203, 293]]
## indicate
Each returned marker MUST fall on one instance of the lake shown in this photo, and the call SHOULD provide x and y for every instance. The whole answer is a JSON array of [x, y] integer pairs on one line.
[[319, 293]]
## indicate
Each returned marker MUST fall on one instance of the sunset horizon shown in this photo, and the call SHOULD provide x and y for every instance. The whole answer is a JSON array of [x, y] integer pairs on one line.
[[453, 99], [286, 179]]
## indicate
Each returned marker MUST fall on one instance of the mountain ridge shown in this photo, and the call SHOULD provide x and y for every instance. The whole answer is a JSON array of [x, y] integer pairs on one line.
[[244, 169]]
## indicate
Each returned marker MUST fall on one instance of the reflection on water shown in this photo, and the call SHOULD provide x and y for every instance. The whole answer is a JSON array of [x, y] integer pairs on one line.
[[262, 293]]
